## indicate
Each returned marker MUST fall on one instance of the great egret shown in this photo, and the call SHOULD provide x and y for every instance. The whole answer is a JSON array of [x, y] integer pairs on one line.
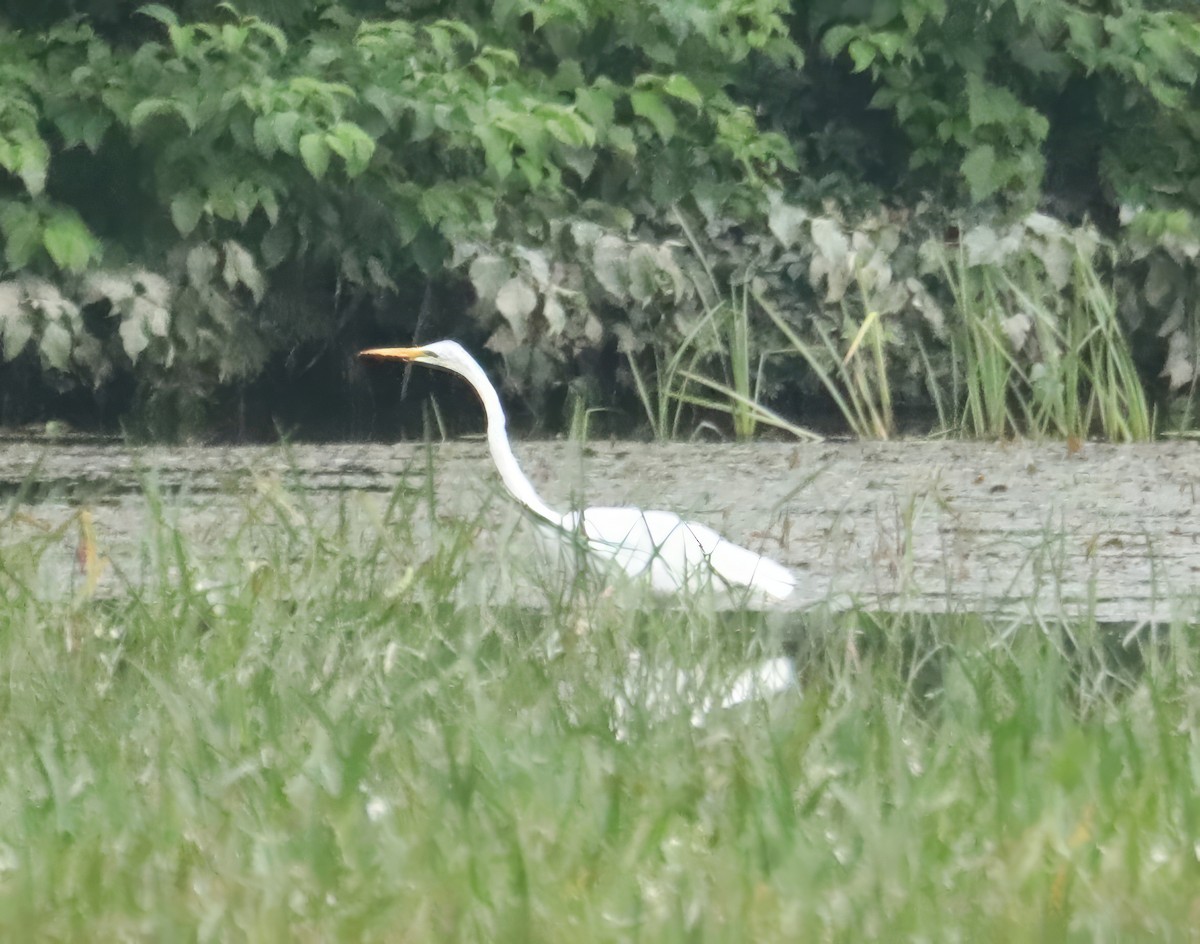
[[676, 556]]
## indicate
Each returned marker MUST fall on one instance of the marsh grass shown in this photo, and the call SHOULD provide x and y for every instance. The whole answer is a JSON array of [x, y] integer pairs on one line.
[[302, 732], [1034, 358], [855, 378], [733, 382]]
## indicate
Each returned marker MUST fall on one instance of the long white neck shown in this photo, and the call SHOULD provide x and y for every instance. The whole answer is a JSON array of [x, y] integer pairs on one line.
[[514, 479]]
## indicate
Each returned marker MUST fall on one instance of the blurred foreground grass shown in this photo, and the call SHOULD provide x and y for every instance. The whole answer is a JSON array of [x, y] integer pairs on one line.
[[306, 735]]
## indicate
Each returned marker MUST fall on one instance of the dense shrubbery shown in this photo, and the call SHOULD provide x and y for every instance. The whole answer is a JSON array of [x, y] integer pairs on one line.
[[193, 190]]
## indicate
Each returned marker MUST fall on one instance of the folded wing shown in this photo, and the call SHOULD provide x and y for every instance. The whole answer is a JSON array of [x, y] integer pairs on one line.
[[676, 555]]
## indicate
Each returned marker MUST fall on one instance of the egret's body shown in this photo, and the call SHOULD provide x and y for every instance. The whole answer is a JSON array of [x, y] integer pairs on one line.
[[673, 555]]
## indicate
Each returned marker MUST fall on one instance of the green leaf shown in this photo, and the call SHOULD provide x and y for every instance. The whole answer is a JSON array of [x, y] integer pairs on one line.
[[596, 105], [33, 160], [80, 125], [182, 39], [186, 209], [889, 43], [570, 129], [836, 39], [620, 139], [314, 152], [497, 150], [286, 126], [245, 200], [264, 136], [534, 171], [156, 11], [979, 169], [353, 145], [22, 228], [649, 105], [70, 243], [681, 87], [862, 53], [270, 204], [276, 245], [149, 108], [580, 160], [992, 105]]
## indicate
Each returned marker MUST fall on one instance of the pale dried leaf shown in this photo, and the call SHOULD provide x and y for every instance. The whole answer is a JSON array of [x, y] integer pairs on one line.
[[89, 354], [1087, 241], [115, 287], [201, 264], [982, 244], [134, 337], [611, 265], [379, 275], [643, 273], [55, 345], [1179, 368], [45, 297], [10, 299], [627, 342], [586, 234], [16, 323], [516, 301], [488, 273], [241, 268], [1160, 280], [502, 341], [159, 322], [1056, 256], [593, 330], [786, 221], [1174, 320], [835, 275], [926, 305], [664, 257], [829, 240], [1016, 328], [555, 315], [153, 286], [1044, 225], [539, 265]]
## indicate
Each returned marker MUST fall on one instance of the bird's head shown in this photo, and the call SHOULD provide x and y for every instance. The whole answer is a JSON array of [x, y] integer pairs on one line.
[[448, 355]]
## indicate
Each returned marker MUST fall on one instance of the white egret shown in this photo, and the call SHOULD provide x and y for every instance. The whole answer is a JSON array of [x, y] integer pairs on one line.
[[672, 554]]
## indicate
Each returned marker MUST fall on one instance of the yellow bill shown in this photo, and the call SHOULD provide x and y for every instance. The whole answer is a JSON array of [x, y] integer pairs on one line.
[[393, 353]]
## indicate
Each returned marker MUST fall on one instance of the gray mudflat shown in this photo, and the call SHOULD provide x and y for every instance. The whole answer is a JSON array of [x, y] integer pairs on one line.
[[1025, 528]]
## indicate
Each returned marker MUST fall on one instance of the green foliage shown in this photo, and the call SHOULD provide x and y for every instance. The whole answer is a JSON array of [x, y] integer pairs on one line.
[[350, 156], [1038, 344], [975, 85], [298, 174], [308, 732]]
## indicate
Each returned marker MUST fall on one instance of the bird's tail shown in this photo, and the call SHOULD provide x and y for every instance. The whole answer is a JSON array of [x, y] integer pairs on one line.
[[739, 566]]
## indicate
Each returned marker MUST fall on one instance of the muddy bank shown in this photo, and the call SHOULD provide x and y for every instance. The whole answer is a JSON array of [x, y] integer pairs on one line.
[[1032, 529]]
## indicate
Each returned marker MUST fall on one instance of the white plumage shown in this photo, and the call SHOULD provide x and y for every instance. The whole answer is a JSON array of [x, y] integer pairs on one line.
[[673, 555]]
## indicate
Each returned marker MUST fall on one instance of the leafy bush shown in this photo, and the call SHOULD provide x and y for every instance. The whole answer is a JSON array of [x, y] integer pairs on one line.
[[190, 191], [231, 158]]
